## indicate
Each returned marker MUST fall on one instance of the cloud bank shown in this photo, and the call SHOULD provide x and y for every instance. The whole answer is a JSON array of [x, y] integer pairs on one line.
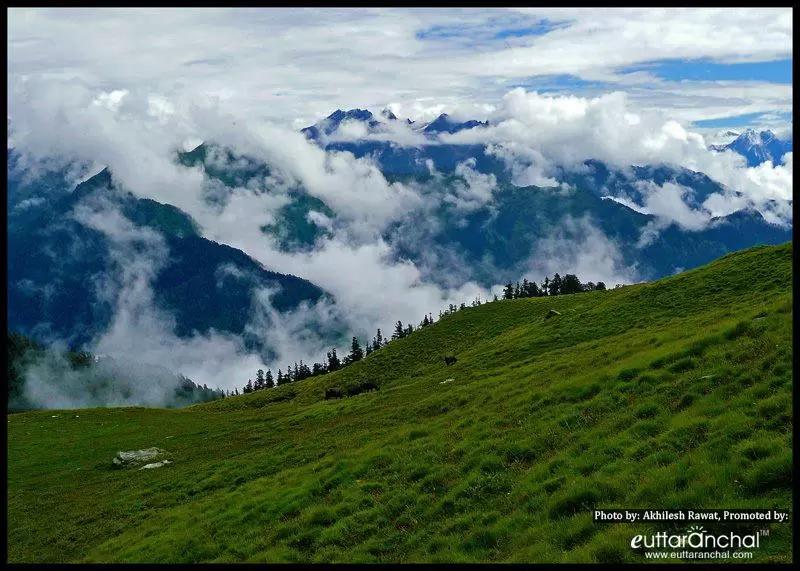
[[248, 79], [295, 65]]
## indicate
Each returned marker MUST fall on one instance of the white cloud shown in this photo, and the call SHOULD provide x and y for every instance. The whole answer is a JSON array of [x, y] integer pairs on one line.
[[668, 202], [578, 247], [536, 133], [110, 100], [29, 203], [600, 41], [474, 192], [288, 63], [319, 219]]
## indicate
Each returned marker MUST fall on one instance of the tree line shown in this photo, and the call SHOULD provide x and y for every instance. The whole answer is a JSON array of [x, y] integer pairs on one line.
[[301, 371], [569, 284]]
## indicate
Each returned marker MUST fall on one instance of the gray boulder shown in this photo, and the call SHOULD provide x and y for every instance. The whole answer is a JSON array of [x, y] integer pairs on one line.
[[133, 457]]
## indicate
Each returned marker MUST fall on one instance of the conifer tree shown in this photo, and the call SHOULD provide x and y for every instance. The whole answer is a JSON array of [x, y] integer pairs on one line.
[[333, 361], [356, 353], [399, 332], [269, 382], [259, 384], [508, 292]]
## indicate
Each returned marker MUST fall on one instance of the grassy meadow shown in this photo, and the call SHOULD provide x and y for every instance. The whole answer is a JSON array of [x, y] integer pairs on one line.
[[670, 394]]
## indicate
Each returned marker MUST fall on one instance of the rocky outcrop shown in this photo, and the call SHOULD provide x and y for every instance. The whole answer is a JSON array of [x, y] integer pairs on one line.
[[135, 457]]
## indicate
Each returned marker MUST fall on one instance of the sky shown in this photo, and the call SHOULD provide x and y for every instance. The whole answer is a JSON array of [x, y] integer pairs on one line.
[[124, 88], [710, 67]]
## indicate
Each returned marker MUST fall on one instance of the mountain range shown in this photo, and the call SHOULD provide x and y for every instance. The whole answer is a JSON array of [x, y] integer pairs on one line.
[[57, 262]]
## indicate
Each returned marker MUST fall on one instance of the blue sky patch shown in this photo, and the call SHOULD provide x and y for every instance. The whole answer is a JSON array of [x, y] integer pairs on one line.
[[442, 32], [744, 120], [556, 83], [777, 71], [539, 29], [495, 30]]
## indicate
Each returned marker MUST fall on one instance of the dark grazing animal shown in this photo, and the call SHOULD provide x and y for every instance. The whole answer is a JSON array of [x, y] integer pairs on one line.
[[369, 386], [333, 393], [362, 387], [450, 360]]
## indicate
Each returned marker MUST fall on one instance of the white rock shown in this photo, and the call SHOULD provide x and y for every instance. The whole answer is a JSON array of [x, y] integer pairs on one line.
[[155, 465], [136, 456]]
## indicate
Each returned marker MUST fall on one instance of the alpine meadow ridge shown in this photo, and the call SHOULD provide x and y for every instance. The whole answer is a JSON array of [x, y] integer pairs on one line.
[[673, 393]]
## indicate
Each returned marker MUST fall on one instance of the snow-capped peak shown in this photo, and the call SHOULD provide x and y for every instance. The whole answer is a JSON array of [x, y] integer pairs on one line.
[[758, 147], [750, 137]]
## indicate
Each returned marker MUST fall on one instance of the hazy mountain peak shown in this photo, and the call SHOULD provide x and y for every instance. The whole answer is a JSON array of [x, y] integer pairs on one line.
[[445, 124], [758, 147]]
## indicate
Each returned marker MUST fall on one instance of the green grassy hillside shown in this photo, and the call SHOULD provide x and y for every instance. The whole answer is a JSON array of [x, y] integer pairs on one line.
[[670, 394]]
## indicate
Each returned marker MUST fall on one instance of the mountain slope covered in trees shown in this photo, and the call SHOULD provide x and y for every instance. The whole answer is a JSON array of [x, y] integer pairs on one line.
[[58, 266], [675, 393]]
